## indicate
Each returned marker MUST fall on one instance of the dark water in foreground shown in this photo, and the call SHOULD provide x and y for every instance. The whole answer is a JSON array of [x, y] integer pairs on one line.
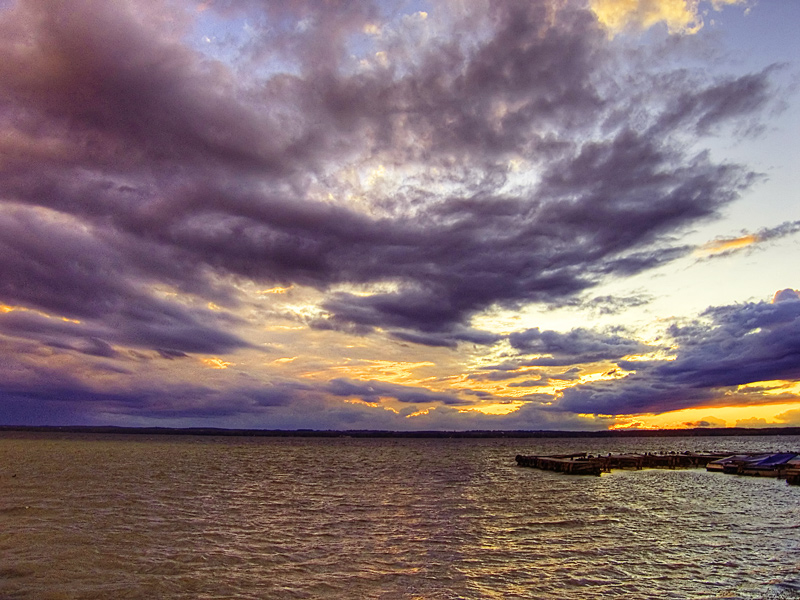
[[182, 517]]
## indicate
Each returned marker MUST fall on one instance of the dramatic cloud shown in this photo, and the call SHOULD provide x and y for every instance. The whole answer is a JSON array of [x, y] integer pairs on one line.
[[402, 175], [527, 89], [737, 345], [577, 346], [373, 391]]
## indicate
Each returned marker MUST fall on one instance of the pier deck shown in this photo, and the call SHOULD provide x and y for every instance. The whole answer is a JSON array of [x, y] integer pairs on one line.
[[786, 464]]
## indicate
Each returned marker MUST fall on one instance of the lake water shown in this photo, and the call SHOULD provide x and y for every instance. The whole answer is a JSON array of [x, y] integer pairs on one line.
[[114, 517]]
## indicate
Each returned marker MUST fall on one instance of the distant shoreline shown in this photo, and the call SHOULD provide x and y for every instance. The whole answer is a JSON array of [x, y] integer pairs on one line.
[[213, 431]]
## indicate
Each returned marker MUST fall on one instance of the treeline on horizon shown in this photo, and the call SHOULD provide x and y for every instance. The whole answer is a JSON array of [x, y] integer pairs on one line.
[[213, 431]]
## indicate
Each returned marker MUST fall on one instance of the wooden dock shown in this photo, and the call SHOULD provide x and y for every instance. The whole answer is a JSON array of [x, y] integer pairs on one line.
[[785, 465], [793, 476], [573, 464]]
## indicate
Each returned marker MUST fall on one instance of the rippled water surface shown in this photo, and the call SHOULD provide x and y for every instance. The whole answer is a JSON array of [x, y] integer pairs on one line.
[[198, 517]]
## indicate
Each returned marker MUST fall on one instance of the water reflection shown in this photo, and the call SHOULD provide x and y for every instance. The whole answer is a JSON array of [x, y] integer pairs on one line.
[[310, 518]]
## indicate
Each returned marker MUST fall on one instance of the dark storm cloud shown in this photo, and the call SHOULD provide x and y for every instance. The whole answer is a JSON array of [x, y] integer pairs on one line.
[[373, 391], [118, 96], [423, 314], [35, 394], [576, 346], [531, 383], [635, 395], [170, 331], [608, 305], [45, 401], [569, 375], [57, 266], [166, 166], [705, 108], [90, 346], [746, 343], [94, 389], [449, 338], [734, 345]]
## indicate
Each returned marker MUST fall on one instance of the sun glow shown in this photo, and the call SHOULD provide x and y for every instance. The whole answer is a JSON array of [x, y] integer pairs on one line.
[[216, 363], [779, 415], [388, 371], [494, 409]]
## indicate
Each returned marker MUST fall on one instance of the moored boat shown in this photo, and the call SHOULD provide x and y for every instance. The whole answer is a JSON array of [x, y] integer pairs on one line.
[[776, 464]]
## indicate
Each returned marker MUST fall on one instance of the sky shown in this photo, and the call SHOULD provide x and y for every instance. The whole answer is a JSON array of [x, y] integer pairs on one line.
[[400, 214]]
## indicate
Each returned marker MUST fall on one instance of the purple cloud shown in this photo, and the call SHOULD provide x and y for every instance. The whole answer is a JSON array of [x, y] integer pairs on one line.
[[167, 153], [148, 179], [742, 344]]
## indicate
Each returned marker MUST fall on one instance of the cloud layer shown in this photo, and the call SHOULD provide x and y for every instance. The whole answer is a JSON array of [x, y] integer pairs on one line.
[[411, 170]]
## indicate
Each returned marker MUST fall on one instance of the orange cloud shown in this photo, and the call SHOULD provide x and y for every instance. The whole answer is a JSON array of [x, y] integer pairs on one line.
[[718, 246], [787, 295]]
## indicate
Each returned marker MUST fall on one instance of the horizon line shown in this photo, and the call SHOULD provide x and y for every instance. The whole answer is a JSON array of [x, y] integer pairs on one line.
[[378, 433]]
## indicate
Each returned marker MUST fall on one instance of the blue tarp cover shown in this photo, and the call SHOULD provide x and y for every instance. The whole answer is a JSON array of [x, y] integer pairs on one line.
[[741, 458], [776, 459]]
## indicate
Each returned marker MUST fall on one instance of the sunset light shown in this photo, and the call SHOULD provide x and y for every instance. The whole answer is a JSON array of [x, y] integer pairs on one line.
[[538, 215], [399, 299]]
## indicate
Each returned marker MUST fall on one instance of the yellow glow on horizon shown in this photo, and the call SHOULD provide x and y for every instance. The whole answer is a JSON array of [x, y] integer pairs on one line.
[[627, 423], [7, 309], [727, 416], [773, 387]]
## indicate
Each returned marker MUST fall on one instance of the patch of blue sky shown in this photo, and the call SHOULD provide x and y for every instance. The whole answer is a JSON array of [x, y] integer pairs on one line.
[[755, 39], [218, 37], [763, 34], [364, 46], [234, 40]]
